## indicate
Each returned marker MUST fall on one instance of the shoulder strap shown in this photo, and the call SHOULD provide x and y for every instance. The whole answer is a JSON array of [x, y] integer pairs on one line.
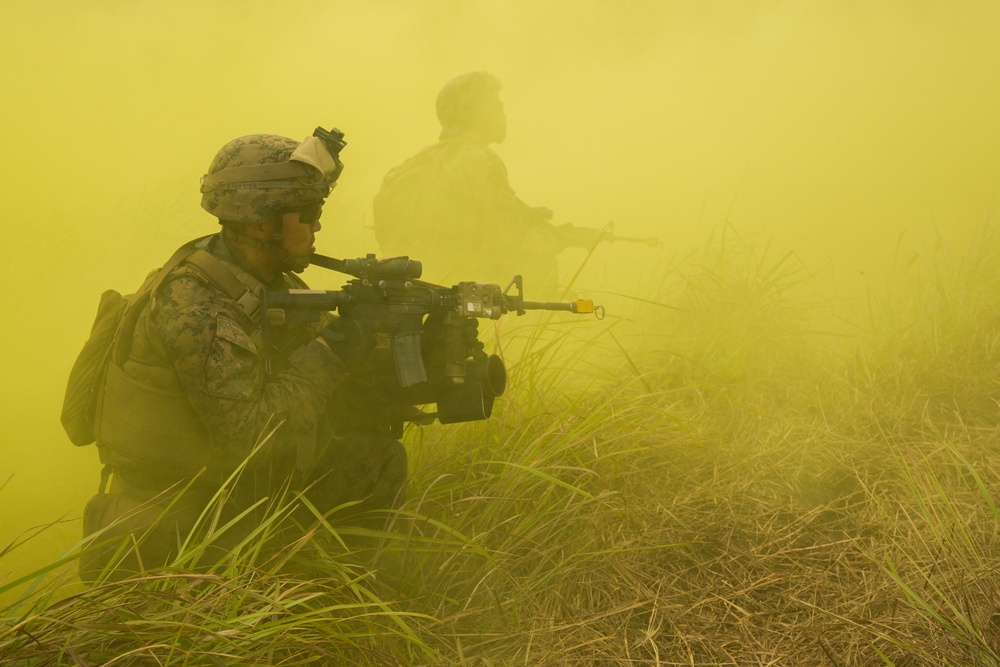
[[178, 258], [123, 337], [234, 282]]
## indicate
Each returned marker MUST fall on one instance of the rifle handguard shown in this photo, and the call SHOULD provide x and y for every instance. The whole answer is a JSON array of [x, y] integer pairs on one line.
[[387, 295]]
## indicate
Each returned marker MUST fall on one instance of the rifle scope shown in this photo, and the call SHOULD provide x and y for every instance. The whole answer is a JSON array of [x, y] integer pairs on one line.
[[371, 267]]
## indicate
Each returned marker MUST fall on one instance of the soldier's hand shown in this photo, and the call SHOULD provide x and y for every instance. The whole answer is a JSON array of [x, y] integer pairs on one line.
[[472, 342], [543, 212], [350, 339], [433, 338]]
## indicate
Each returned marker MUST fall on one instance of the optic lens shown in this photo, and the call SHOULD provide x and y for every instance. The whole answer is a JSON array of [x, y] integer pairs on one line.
[[312, 213], [308, 214]]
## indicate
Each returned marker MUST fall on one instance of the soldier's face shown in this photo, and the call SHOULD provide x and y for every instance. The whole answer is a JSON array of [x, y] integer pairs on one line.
[[299, 235], [495, 120]]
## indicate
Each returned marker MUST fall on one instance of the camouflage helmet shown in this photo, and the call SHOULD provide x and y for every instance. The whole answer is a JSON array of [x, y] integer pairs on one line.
[[254, 177]]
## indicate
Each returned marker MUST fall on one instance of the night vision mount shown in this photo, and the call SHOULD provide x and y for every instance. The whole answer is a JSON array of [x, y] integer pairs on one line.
[[333, 139]]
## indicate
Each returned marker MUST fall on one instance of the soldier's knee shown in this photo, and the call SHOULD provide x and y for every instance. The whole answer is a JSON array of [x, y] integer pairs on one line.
[[369, 469], [390, 475], [391, 483], [396, 460], [124, 536]]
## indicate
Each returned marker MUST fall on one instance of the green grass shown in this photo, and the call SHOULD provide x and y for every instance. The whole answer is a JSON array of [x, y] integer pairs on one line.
[[720, 473]]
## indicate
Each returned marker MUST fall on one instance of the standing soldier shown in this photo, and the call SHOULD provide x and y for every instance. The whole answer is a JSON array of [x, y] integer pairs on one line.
[[452, 207], [191, 388]]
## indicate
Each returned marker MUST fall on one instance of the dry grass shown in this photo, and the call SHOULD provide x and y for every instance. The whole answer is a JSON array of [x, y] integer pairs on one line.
[[723, 488]]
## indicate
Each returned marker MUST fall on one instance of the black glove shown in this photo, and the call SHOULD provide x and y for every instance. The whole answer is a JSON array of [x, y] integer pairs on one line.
[[472, 342], [432, 341], [350, 339]]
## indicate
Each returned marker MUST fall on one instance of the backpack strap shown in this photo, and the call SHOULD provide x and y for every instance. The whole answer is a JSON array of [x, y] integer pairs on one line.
[[178, 258], [237, 284], [123, 337]]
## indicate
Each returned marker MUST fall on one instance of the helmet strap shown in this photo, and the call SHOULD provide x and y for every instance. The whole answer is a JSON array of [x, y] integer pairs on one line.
[[244, 239], [272, 246], [275, 245], [277, 231]]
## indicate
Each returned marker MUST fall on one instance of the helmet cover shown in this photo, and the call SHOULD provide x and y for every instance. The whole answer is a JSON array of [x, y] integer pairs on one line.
[[254, 177]]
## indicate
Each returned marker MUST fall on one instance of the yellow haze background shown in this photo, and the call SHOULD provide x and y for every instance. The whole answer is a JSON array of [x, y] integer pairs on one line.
[[832, 128]]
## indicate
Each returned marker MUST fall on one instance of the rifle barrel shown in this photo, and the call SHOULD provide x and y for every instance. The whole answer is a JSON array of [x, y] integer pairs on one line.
[[546, 305], [651, 241], [580, 306]]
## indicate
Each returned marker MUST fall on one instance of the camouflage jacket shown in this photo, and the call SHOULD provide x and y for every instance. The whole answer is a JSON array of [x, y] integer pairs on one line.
[[451, 206], [214, 349]]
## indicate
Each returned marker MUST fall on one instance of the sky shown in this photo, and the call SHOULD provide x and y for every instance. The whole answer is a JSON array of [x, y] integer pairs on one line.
[[850, 133]]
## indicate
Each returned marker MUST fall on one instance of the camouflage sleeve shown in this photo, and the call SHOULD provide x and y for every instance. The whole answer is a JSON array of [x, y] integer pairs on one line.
[[206, 337], [499, 207]]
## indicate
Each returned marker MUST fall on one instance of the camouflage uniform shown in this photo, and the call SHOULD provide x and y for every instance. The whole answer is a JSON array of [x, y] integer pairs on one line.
[[195, 341], [452, 207]]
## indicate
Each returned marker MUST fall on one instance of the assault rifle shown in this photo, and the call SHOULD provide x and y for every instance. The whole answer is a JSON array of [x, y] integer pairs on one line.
[[388, 297], [573, 236]]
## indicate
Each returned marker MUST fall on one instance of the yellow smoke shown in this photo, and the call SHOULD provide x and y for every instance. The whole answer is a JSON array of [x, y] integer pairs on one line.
[[832, 127]]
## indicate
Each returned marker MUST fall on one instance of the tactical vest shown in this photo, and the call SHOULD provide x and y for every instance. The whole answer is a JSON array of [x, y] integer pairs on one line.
[[144, 420]]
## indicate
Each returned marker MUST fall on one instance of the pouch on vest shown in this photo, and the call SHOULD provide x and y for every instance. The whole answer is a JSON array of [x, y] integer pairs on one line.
[[87, 376]]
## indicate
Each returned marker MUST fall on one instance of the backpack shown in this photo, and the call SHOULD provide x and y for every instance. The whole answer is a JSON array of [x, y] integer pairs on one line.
[[116, 318], [85, 379]]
